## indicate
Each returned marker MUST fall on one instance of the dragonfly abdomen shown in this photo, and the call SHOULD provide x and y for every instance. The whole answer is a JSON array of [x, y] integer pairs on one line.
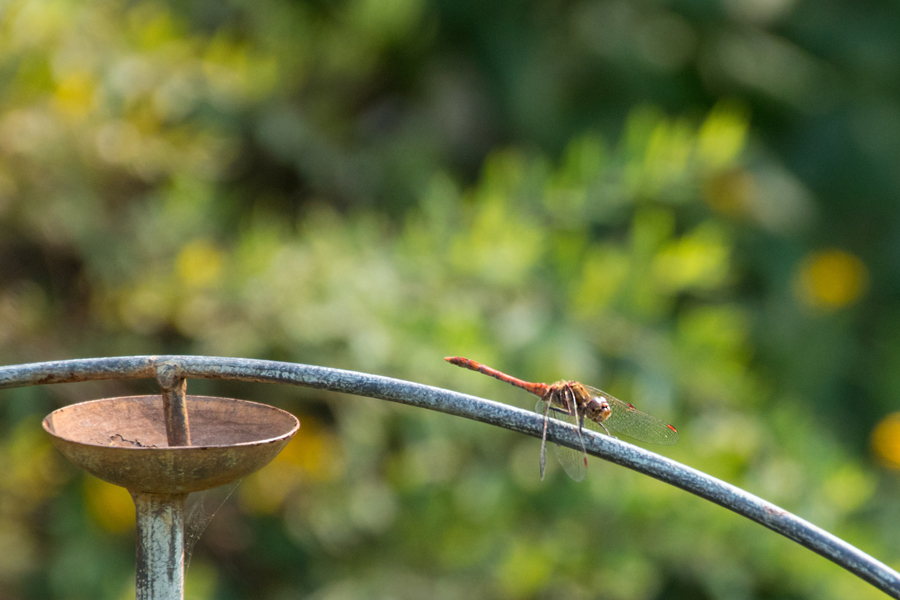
[[535, 388]]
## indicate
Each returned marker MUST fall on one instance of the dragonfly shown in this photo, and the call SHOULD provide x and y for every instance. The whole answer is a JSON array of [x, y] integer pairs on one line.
[[579, 404]]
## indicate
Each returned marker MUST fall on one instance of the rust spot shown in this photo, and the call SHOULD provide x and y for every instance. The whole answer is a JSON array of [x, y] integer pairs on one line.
[[134, 443]]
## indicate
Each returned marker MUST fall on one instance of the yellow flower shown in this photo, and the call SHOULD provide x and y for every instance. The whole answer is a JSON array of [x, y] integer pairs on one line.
[[886, 440], [199, 264], [831, 279]]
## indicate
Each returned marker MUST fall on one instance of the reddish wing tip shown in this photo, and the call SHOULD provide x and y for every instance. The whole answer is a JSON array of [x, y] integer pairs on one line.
[[672, 428]]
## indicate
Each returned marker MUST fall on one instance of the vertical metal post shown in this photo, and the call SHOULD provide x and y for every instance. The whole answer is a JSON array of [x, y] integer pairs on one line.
[[178, 429], [160, 546]]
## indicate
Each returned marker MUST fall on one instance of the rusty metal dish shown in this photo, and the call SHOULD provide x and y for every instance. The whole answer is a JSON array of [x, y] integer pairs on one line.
[[123, 441]]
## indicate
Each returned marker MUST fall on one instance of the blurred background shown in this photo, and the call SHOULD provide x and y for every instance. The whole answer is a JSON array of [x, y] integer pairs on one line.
[[692, 205]]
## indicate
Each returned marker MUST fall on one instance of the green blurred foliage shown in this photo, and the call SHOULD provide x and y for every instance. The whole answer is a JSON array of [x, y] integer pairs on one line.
[[691, 205]]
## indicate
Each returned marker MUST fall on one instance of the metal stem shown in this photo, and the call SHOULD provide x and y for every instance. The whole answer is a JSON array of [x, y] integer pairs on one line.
[[178, 428], [160, 546]]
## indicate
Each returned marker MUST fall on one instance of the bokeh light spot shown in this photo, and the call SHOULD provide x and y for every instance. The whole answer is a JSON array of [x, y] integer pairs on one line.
[[723, 134], [199, 264], [831, 279], [699, 260], [524, 571], [886, 440], [75, 95], [313, 457], [849, 487], [110, 506], [730, 192]]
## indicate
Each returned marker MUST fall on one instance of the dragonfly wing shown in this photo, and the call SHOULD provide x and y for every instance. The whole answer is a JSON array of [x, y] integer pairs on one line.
[[624, 418], [574, 462]]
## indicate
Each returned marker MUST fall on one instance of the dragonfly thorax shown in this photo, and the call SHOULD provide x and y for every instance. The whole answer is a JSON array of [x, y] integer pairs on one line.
[[589, 405]]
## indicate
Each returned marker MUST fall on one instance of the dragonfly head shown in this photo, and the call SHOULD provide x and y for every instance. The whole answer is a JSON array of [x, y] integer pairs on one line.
[[597, 409]]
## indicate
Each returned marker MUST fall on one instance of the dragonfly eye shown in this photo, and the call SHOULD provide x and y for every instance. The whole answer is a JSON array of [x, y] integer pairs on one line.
[[599, 403]]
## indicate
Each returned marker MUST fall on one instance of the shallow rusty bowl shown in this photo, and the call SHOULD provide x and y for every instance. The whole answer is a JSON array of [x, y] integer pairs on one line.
[[123, 441]]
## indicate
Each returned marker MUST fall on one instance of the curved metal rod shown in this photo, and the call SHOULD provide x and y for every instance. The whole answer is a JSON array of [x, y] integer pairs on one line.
[[478, 409]]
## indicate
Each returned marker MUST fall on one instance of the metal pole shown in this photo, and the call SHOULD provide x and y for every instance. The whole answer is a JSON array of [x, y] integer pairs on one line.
[[178, 429], [160, 546]]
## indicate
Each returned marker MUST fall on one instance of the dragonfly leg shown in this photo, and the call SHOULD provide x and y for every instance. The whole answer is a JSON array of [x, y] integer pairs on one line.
[[549, 401], [606, 430], [573, 405]]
